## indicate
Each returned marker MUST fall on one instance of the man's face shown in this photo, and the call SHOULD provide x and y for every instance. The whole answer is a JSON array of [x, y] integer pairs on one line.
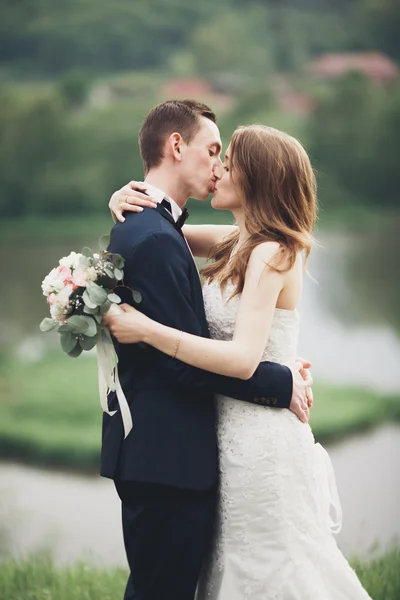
[[201, 163]]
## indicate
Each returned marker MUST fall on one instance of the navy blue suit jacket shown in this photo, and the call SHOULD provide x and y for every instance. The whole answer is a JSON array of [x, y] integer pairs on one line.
[[173, 440]]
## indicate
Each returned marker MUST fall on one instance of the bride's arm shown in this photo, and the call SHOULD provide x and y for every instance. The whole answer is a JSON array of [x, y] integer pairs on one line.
[[237, 358], [201, 238]]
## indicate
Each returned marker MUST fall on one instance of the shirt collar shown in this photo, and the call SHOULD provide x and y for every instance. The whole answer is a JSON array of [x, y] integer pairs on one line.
[[158, 195]]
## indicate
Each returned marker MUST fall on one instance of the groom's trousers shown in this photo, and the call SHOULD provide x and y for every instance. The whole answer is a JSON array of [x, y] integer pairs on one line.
[[167, 535]]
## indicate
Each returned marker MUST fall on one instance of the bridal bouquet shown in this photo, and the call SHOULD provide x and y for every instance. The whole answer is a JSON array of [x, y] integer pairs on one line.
[[79, 291]]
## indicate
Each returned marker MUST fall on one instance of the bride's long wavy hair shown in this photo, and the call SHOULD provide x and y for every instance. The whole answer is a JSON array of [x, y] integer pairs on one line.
[[277, 182]]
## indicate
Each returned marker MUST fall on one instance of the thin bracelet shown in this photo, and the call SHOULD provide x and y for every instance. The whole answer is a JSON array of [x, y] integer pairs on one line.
[[178, 341]]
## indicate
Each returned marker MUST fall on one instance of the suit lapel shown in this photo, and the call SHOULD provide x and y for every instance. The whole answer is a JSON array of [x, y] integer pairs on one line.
[[167, 215]]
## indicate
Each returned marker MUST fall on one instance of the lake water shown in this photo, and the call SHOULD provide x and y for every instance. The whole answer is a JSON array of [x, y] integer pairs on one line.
[[350, 332], [350, 318], [78, 517]]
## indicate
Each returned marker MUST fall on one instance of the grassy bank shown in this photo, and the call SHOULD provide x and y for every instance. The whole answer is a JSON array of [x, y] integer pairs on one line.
[[92, 225], [50, 413], [70, 227], [39, 579]]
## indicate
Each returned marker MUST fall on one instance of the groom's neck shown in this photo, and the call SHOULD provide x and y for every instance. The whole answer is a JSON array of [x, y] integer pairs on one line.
[[163, 180]]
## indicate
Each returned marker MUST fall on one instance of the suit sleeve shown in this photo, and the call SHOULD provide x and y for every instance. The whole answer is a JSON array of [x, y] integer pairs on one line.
[[159, 267]]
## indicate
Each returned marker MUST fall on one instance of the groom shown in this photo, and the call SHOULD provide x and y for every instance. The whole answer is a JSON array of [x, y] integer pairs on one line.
[[166, 470]]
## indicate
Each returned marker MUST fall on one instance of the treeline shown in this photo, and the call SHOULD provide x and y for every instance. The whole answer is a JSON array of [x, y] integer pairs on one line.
[[58, 159], [64, 149], [50, 37]]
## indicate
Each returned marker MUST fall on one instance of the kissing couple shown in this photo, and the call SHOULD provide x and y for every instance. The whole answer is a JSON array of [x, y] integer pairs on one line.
[[225, 494]]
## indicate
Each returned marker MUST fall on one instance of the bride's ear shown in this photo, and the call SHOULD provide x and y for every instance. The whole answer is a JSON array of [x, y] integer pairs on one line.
[[175, 143]]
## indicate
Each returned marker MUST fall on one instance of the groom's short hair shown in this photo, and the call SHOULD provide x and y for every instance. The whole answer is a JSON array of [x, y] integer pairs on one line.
[[181, 116]]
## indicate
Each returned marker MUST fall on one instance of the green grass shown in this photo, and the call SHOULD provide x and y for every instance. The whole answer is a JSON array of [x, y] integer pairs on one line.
[[37, 578], [50, 412]]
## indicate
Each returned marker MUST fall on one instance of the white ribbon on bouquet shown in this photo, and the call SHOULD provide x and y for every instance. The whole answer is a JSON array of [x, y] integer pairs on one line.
[[107, 361]]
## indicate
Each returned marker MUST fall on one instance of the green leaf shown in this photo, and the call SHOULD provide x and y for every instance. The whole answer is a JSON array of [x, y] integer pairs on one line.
[[68, 341], [77, 351], [79, 323], [137, 296], [109, 270], [104, 242], [84, 262], [114, 298], [90, 311], [96, 293], [104, 308], [88, 301], [118, 274], [118, 261], [92, 327], [48, 324], [87, 343], [87, 252], [64, 328]]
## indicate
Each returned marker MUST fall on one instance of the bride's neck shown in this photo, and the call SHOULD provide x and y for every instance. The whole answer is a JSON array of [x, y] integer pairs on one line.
[[241, 223]]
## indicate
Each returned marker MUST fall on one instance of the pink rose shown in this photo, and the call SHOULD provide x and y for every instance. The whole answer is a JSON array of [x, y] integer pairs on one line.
[[79, 278], [64, 273]]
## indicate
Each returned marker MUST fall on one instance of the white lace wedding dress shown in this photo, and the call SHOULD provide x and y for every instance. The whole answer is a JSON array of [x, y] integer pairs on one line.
[[278, 500]]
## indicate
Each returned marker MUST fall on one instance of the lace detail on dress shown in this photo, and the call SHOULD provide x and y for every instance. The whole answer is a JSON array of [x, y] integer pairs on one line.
[[273, 539]]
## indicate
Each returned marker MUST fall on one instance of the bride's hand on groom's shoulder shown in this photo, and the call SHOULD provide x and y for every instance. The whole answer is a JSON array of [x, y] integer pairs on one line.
[[302, 397], [130, 198]]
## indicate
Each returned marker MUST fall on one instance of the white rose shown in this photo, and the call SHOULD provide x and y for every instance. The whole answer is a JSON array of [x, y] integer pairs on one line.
[[91, 274], [57, 312], [52, 283], [71, 261], [63, 296]]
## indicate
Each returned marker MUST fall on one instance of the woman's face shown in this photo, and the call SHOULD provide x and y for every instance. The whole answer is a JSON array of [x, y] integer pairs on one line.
[[227, 195]]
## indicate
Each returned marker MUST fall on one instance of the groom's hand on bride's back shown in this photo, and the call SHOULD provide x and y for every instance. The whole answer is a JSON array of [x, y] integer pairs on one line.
[[302, 398]]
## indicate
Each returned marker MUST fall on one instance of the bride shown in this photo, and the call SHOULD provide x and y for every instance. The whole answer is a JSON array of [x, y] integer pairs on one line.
[[278, 500]]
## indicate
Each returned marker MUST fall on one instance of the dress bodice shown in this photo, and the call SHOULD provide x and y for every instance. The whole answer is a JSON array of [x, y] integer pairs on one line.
[[221, 317]]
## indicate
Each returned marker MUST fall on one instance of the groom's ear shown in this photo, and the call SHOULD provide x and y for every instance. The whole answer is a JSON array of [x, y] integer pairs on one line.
[[175, 142]]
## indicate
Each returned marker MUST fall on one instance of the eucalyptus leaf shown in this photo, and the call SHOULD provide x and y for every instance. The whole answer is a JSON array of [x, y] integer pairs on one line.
[[118, 274], [98, 318], [88, 301], [68, 341], [92, 327], [96, 293], [104, 308], [79, 323], [90, 311], [87, 252], [48, 324], [65, 328], [109, 270], [137, 296], [118, 261], [114, 298], [87, 343], [77, 351], [84, 262], [104, 242]]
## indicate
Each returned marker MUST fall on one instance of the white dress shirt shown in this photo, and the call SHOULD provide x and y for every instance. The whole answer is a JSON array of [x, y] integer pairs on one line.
[[158, 195]]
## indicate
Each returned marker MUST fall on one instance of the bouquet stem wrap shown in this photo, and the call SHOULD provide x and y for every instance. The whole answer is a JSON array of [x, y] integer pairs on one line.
[[107, 361]]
